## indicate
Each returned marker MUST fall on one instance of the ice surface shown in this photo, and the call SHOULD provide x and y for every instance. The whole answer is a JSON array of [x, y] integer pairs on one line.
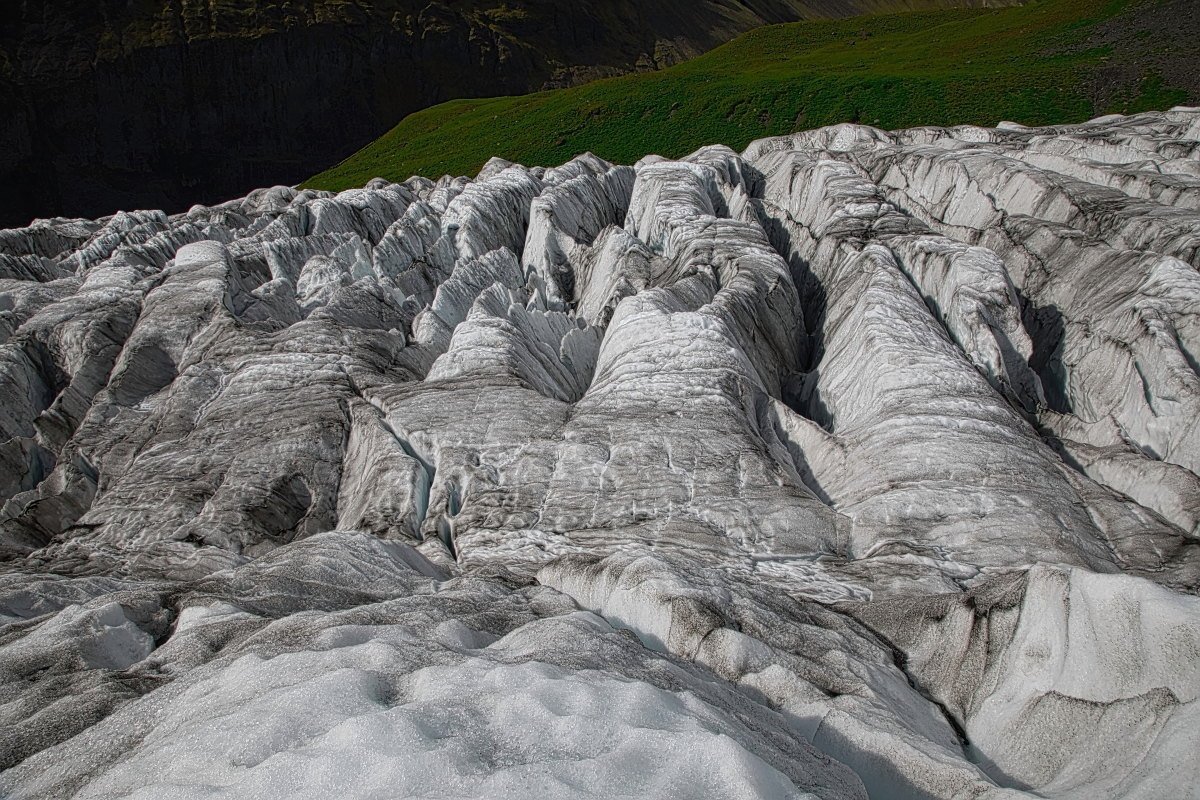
[[862, 464]]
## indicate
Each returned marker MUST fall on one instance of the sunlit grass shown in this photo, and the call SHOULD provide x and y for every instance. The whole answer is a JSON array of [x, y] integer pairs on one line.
[[1035, 64]]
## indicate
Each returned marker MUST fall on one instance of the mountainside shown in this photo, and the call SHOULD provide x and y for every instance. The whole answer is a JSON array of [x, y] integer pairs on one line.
[[1048, 61], [161, 103], [861, 464]]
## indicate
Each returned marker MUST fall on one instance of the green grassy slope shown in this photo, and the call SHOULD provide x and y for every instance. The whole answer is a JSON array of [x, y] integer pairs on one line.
[[1050, 61]]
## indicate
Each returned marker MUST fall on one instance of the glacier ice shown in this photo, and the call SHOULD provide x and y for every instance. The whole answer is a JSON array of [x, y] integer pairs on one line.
[[861, 464]]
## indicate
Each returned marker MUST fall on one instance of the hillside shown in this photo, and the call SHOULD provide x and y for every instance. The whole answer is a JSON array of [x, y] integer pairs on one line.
[[161, 103], [1051, 61]]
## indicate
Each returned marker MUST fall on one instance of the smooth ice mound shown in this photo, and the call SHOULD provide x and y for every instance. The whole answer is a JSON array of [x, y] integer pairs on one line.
[[474, 730], [861, 464]]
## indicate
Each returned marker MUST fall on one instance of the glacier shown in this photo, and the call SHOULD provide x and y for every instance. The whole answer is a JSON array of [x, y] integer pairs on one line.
[[860, 464]]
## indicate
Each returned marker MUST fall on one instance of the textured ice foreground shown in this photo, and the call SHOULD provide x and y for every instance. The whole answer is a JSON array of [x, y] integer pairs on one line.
[[862, 464]]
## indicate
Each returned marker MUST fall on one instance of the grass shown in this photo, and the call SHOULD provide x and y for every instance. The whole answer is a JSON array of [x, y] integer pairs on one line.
[[1050, 61]]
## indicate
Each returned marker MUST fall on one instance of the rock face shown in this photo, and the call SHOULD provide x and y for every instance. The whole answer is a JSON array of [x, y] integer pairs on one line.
[[165, 103], [861, 464]]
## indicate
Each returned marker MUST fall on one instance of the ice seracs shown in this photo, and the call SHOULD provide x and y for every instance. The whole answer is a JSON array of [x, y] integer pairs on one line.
[[861, 464]]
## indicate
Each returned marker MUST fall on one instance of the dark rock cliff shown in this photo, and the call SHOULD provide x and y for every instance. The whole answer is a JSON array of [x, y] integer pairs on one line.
[[164, 103]]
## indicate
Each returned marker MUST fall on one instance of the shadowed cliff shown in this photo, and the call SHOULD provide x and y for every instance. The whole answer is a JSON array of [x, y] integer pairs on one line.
[[164, 103]]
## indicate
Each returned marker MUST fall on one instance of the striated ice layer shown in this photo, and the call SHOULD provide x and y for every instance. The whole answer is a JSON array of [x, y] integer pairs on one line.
[[862, 464]]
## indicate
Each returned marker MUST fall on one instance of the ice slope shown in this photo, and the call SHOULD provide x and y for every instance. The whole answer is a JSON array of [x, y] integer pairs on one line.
[[862, 464]]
